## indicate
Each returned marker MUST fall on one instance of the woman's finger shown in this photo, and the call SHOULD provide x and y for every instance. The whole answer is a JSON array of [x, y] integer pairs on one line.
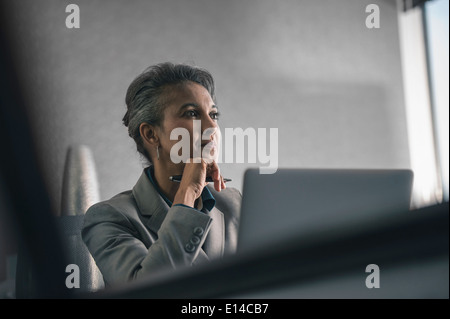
[[223, 183], [214, 172]]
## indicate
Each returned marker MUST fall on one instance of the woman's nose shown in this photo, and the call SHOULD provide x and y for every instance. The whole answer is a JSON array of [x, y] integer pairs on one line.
[[208, 124], [209, 128]]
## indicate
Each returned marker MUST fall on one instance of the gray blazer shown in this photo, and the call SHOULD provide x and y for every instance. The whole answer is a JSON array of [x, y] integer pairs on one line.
[[136, 233]]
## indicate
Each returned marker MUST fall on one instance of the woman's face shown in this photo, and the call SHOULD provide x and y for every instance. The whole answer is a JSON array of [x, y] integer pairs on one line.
[[185, 103]]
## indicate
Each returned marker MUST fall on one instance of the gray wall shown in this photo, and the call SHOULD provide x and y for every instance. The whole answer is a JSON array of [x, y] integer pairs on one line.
[[309, 68]]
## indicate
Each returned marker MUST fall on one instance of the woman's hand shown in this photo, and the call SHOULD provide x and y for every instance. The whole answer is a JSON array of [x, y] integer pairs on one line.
[[194, 180]]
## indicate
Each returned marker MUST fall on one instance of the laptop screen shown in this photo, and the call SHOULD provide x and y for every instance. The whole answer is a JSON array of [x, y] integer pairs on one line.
[[293, 202]]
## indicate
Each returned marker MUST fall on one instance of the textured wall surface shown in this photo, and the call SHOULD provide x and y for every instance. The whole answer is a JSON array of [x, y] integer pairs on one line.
[[310, 68]]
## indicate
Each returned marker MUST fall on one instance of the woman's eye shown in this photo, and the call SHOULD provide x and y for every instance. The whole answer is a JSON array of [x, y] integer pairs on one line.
[[215, 116], [191, 113]]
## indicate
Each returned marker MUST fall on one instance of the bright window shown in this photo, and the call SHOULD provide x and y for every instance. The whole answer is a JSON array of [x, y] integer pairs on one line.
[[437, 34], [424, 49]]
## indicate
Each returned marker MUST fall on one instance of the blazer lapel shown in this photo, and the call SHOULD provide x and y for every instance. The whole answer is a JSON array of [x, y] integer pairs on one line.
[[154, 209], [215, 241], [150, 203]]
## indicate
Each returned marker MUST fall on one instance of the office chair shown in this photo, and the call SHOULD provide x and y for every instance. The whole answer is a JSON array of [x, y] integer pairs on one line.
[[80, 191]]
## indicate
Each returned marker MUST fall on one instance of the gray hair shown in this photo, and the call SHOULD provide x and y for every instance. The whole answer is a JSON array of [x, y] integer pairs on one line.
[[144, 98]]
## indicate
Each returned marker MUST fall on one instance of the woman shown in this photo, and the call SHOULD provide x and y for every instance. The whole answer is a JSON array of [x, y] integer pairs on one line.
[[162, 224]]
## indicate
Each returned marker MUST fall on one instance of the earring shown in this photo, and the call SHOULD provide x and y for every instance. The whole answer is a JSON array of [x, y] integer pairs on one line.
[[157, 152]]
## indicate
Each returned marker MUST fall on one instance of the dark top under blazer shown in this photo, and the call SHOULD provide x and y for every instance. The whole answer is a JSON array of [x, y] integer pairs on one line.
[[136, 233]]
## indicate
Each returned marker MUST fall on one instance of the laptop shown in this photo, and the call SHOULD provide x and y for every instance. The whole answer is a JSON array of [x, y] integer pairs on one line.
[[293, 202]]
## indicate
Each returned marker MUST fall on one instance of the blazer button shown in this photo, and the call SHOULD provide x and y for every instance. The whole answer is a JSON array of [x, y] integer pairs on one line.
[[195, 240], [198, 231], [190, 248]]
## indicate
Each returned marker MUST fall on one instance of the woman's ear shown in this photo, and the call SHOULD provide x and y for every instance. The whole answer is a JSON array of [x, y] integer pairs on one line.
[[148, 134]]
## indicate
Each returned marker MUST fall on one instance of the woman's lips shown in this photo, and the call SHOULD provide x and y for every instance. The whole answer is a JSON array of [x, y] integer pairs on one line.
[[210, 144], [209, 150]]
